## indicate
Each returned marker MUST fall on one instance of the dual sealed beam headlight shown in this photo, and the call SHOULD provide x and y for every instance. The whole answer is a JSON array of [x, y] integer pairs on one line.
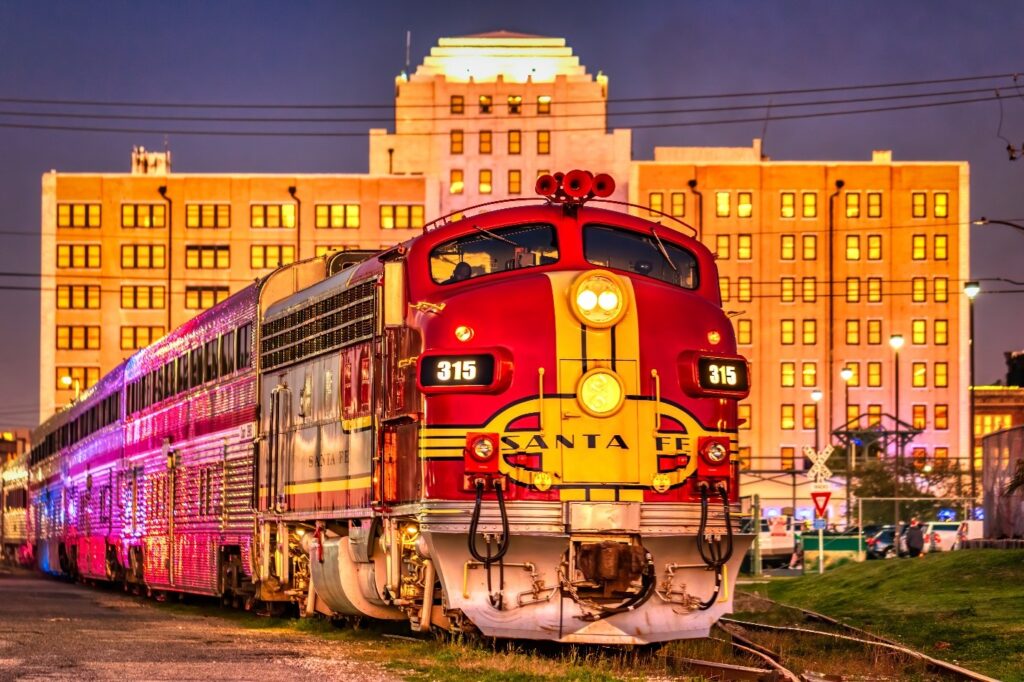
[[598, 298]]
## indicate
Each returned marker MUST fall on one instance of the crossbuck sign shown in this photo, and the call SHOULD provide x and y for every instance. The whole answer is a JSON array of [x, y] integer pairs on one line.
[[818, 471]]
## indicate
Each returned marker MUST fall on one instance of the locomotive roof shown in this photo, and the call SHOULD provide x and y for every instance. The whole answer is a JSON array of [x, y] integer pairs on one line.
[[321, 289]]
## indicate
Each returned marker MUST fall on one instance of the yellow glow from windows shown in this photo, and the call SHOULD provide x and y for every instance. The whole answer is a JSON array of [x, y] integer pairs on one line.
[[788, 205], [788, 290], [486, 181], [853, 332], [810, 204], [788, 332], [744, 332], [874, 374], [788, 378], [456, 182], [744, 204], [722, 246], [809, 374], [788, 420], [920, 374], [919, 247], [722, 204], [744, 248], [810, 289], [810, 332], [787, 247], [852, 247]]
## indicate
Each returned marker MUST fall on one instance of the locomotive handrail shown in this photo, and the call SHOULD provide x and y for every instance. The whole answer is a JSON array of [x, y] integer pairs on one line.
[[649, 210], [437, 222]]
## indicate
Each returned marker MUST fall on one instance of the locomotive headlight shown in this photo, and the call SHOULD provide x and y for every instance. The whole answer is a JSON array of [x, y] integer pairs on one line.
[[600, 393], [598, 298]]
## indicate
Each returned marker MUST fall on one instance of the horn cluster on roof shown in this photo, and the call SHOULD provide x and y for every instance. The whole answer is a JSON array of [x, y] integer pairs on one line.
[[575, 187]]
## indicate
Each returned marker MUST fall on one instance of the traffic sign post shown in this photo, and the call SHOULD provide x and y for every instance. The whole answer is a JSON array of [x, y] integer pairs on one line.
[[820, 495]]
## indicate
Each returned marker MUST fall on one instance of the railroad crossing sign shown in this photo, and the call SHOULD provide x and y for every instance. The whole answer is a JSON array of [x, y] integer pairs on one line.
[[818, 471]]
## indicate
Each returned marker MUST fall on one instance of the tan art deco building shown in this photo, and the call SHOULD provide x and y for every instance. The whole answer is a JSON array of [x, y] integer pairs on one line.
[[478, 120]]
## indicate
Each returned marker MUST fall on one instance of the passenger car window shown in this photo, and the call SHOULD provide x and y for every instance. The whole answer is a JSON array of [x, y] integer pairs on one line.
[[487, 251], [639, 253]]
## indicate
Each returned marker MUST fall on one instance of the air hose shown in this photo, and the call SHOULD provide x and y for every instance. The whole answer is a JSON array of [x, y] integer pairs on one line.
[[488, 559], [711, 552]]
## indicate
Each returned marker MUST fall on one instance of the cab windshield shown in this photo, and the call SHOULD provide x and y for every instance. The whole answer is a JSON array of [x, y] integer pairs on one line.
[[643, 254], [490, 250]]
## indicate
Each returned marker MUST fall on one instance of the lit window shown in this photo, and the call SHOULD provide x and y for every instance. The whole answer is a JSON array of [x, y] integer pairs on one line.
[[270, 256], [788, 286], [77, 337], [874, 289], [456, 138], [143, 215], [941, 204], [853, 416], [337, 216], [874, 374], [852, 289], [142, 256], [919, 204], [809, 374], [788, 205], [788, 374], [515, 142], [722, 246], [810, 289], [874, 332], [202, 298], [324, 249], [919, 332], [656, 202], [744, 204], [272, 215], [941, 417], [942, 453], [744, 332], [208, 215], [486, 138], [941, 332], [85, 376], [941, 285], [543, 141], [78, 297], [133, 338], [810, 204], [853, 332], [810, 332], [722, 204], [874, 247], [723, 288], [486, 183], [456, 182], [787, 457], [678, 204], [788, 421], [942, 375], [401, 216], [810, 416], [515, 182], [852, 205], [853, 247], [855, 377], [142, 297], [920, 456], [874, 414], [918, 290], [486, 104], [78, 256], [544, 104], [788, 332], [457, 104], [941, 247], [208, 257], [810, 244], [874, 204], [743, 292], [744, 248], [743, 416], [919, 374], [919, 247], [787, 247], [78, 215], [515, 104]]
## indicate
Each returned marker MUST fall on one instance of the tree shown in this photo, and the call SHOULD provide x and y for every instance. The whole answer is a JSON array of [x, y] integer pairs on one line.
[[878, 478]]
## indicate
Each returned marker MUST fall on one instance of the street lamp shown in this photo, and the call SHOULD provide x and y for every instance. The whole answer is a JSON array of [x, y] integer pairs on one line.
[[896, 342], [846, 374], [992, 221], [816, 396], [971, 290], [67, 381]]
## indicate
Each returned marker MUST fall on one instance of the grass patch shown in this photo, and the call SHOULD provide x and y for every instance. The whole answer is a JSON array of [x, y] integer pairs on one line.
[[964, 607]]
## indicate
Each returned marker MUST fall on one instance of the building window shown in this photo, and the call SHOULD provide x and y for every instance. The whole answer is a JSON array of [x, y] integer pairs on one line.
[[324, 249], [486, 181], [919, 204], [787, 458], [515, 182], [853, 332], [918, 290], [874, 374], [515, 142], [272, 215], [809, 374], [852, 204], [919, 332], [133, 338], [990, 423], [744, 247], [874, 204], [515, 104], [78, 215], [544, 105], [853, 247], [207, 257], [788, 205], [401, 216], [456, 182], [78, 337], [723, 288], [201, 298], [85, 376], [941, 247], [270, 256], [852, 289], [919, 372], [941, 417], [142, 256], [143, 215], [874, 289], [941, 204], [788, 374], [919, 248], [337, 216], [919, 417], [941, 374], [722, 204], [78, 297], [208, 215], [543, 141], [810, 289], [134, 297], [810, 332], [722, 247], [486, 104], [678, 204], [874, 414], [788, 332], [874, 247], [874, 332], [456, 138], [457, 104], [486, 139], [788, 420], [78, 256], [810, 416], [810, 244], [744, 332], [744, 204], [743, 292], [743, 417], [855, 377], [656, 203], [941, 332], [787, 247], [810, 204], [941, 285], [853, 416], [941, 453], [788, 287]]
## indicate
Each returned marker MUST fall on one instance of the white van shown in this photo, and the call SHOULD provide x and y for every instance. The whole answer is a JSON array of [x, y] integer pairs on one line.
[[942, 536]]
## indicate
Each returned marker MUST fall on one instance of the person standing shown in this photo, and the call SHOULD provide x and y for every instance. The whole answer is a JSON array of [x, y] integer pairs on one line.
[[915, 538]]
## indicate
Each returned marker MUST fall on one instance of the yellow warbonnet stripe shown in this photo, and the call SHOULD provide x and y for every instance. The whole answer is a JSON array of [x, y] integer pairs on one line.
[[357, 423], [325, 486]]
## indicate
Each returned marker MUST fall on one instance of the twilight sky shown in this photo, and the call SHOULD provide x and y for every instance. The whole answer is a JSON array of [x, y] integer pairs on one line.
[[349, 52]]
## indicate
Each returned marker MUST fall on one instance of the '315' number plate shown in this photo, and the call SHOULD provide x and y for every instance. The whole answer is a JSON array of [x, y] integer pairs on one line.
[[457, 370]]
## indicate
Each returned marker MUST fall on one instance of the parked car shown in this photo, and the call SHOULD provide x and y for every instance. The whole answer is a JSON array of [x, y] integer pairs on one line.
[[881, 545], [776, 539], [942, 536]]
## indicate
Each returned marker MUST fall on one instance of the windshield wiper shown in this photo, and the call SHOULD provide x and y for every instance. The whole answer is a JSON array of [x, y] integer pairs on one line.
[[495, 236], [664, 251]]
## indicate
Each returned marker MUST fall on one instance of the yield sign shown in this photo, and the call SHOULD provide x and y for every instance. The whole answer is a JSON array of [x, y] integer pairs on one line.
[[820, 499]]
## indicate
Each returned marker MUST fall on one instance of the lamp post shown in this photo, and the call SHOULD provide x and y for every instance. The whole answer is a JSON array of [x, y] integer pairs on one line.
[[992, 221], [67, 381], [816, 396], [896, 342], [971, 290], [847, 374]]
